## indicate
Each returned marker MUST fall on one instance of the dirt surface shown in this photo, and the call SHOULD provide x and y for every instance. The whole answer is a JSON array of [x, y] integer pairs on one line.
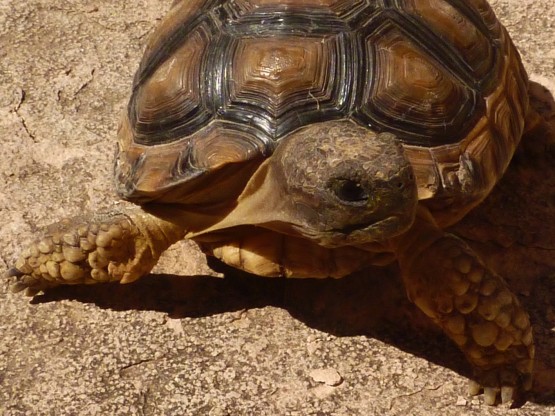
[[171, 344]]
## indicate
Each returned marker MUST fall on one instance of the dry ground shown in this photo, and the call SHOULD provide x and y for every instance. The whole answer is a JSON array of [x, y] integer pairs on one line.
[[209, 346]]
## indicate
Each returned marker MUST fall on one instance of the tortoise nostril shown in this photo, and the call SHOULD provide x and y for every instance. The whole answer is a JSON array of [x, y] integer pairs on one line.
[[349, 191]]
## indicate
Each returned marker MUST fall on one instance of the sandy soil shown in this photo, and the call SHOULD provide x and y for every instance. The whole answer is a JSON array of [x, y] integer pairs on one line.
[[203, 345]]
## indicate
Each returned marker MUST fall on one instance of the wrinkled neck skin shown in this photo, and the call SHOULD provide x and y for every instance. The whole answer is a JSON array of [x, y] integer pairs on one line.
[[335, 183]]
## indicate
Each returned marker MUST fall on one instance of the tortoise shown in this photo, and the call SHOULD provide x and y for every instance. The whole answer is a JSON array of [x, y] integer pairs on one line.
[[311, 139]]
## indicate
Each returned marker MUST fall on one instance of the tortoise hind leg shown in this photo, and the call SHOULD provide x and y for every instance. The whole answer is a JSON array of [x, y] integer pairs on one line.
[[116, 246], [473, 306]]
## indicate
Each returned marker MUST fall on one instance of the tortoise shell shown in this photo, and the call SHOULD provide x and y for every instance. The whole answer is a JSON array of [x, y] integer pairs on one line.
[[222, 82]]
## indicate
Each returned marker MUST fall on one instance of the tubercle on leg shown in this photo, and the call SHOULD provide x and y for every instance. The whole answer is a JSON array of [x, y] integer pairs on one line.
[[472, 305], [475, 307], [116, 246], [74, 251]]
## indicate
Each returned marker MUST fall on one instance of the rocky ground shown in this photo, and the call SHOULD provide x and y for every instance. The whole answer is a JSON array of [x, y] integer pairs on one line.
[[203, 345]]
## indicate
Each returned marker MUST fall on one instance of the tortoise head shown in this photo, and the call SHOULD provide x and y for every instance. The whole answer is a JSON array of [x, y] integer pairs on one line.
[[344, 184], [335, 183]]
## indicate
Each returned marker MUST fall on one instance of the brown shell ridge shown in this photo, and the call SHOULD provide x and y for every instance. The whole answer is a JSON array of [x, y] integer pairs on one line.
[[486, 151], [142, 175], [417, 31], [286, 22], [472, 13], [173, 113]]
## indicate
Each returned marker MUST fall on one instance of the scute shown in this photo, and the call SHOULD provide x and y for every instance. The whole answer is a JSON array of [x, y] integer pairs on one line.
[[169, 102], [283, 83], [486, 15], [344, 9], [171, 32], [174, 172], [456, 29], [221, 145], [409, 92], [275, 69]]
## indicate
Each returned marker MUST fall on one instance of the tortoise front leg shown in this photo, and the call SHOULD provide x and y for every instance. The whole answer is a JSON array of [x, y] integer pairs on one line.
[[117, 246], [473, 306]]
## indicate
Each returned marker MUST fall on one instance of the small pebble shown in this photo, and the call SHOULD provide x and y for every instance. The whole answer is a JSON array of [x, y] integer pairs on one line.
[[328, 376], [461, 401]]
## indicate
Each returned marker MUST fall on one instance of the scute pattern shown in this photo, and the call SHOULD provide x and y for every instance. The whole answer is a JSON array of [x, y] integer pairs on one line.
[[279, 84], [406, 86], [274, 66], [171, 95], [486, 15], [221, 145], [172, 32], [454, 178], [168, 172], [252, 10], [469, 43], [273, 70]]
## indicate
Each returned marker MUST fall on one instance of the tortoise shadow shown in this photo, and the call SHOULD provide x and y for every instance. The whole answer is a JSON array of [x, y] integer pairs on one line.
[[372, 302]]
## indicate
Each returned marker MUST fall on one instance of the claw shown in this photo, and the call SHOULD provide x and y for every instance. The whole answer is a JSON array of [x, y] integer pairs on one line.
[[18, 287], [25, 282], [31, 291], [474, 388], [507, 394], [13, 272], [28, 285], [490, 395]]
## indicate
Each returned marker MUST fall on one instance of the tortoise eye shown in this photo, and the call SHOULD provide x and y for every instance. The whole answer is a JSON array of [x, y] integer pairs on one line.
[[348, 190]]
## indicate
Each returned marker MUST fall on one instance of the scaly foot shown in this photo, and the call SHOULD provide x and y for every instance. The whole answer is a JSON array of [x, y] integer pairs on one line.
[[474, 307], [102, 248]]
